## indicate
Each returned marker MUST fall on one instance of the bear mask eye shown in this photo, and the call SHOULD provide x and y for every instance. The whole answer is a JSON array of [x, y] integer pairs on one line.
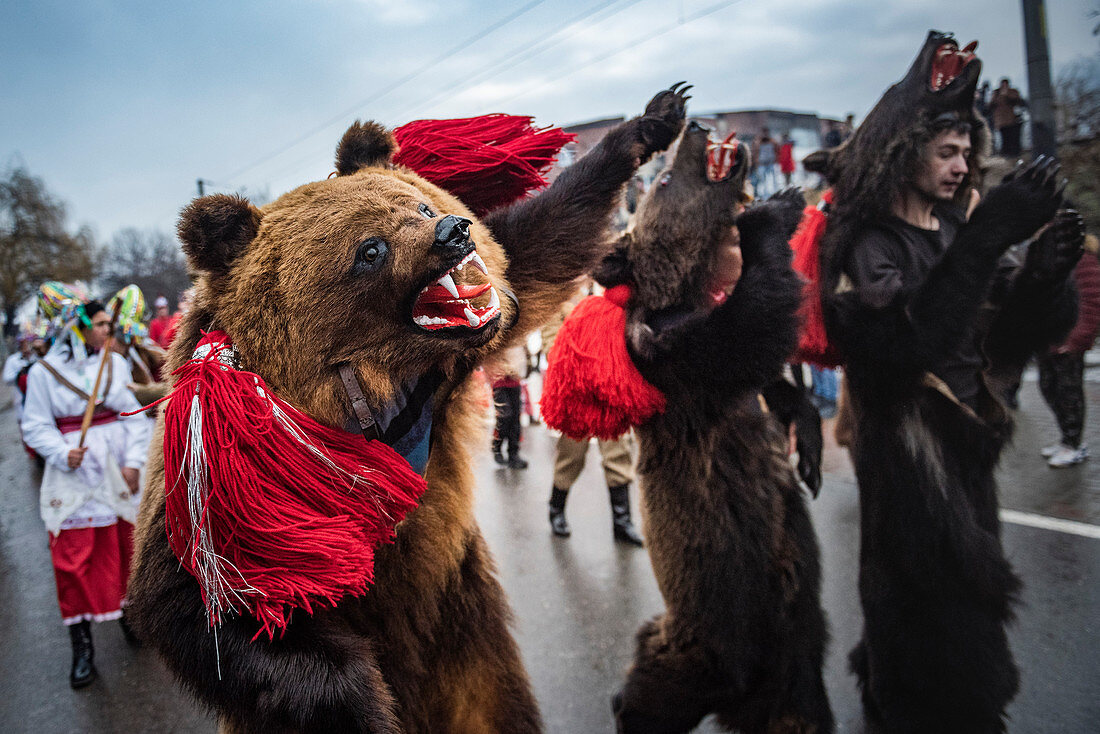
[[370, 256], [426, 211]]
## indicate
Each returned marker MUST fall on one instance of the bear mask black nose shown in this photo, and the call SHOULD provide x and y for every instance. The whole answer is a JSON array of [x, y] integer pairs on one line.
[[452, 232]]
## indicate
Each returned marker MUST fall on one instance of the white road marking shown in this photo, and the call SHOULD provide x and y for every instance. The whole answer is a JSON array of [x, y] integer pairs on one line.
[[1073, 527]]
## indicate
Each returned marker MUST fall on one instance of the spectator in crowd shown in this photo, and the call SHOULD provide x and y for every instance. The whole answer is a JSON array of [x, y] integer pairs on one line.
[[1061, 370], [182, 306], [767, 153], [981, 103], [158, 327], [833, 137], [508, 397], [16, 366], [89, 492], [1005, 109], [786, 158], [617, 457]]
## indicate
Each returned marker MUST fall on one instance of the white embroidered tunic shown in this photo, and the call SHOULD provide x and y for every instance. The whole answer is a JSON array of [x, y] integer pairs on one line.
[[95, 494]]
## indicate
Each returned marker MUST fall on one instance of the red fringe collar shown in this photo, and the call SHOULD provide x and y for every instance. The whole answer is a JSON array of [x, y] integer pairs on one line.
[[268, 509]]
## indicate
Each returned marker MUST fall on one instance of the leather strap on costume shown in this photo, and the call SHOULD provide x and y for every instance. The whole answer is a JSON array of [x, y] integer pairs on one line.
[[70, 386], [135, 357], [70, 423], [359, 403]]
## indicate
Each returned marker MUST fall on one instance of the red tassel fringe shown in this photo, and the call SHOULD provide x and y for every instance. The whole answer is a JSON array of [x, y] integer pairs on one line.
[[592, 387], [291, 528], [813, 343], [486, 161]]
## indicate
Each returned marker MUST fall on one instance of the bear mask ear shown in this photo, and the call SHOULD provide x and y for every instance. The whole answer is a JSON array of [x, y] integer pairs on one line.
[[818, 162], [364, 144], [615, 269], [829, 162], [216, 229]]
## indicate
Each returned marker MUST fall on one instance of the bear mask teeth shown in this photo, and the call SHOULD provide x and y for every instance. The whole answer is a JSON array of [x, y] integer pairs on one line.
[[721, 158], [948, 62], [461, 297]]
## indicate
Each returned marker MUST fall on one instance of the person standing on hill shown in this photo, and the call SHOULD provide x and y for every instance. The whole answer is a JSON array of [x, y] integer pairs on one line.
[[1004, 108]]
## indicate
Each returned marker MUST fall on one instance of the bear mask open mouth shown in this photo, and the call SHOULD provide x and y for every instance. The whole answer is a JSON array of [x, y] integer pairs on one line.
[[722, 158], [463, 297], [948, 62]]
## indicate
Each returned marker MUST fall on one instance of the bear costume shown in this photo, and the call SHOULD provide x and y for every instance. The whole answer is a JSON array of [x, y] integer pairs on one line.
[[729, 535], [353, 270], [935, 585]]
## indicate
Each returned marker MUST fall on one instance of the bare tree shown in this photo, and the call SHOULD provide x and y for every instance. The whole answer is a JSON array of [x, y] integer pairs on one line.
[[150, 259], [1078, 118], [1078, 95], [35, 244]]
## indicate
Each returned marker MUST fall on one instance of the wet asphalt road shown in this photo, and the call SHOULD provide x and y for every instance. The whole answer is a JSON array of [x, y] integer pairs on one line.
[[578, 601]]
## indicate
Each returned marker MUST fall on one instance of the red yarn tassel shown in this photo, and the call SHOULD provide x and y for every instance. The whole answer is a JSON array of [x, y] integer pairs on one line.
[[813, 343], [270, 510], [486, 161], [592, 387]]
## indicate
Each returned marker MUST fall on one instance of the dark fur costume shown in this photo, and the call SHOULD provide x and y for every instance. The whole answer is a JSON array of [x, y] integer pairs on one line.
[[791, 407], [428, 647], [729, 535], [935, 586]]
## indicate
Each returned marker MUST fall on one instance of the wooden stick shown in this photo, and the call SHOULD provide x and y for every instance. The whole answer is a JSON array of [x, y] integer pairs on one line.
[[89, 409]]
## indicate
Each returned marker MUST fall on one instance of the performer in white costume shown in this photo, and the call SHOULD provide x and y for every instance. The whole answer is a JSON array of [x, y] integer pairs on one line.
[[89, 495], [14, 364]]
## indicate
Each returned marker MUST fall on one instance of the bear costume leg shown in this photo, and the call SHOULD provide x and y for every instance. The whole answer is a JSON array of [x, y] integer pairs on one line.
[[802, 705], [935, 654], [476, 681], [951, 693], [668, 688]]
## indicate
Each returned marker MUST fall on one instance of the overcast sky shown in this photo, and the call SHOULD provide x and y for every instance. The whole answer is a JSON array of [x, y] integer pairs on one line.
[[121, 106]]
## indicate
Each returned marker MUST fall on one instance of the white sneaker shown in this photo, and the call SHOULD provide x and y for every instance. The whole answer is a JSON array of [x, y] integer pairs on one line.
[[1050, 451], [1066, 456]]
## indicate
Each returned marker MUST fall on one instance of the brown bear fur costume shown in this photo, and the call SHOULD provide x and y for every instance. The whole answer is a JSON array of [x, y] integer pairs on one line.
[[935, 586], [325, 275], [729, 535]]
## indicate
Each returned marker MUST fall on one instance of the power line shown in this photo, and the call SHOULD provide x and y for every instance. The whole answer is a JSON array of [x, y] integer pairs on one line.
[[403, 80], [488, 70], [631, 44], [526, 52], [517, 55], [521, 54]]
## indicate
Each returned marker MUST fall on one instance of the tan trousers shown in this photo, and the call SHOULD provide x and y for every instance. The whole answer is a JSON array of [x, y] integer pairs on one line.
[[616, 456]]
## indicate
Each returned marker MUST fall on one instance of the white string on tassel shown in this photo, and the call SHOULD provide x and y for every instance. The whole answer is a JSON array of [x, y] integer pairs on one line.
[[213, 572]]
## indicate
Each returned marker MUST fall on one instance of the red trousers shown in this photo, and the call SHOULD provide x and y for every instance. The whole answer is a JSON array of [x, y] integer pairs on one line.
[[91, 567]]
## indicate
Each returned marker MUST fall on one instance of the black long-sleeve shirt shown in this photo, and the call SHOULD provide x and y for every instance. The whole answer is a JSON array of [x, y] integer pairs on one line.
[[890, 261]]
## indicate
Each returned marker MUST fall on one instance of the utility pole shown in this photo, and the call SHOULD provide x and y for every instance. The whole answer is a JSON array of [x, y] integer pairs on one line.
[[200, 183], [1040, 89]]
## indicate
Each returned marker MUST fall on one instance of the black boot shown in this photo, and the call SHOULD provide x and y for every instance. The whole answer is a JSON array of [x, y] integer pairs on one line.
[[620, 515], [498, 457], [83, 672], [557, 513], [514, 461]]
